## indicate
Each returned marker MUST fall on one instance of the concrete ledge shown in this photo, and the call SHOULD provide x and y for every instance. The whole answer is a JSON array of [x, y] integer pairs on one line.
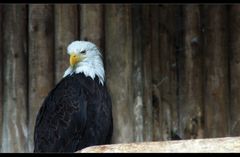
[[224, 145]]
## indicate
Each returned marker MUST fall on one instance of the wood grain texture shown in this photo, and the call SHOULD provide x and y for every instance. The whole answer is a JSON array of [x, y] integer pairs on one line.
[[1, 74], [173, 71], [15, 82], [137, 74], [156, 75], [118, 46], [234, 30], [191, 75], [147, 73], [214, 145], [41, 61], [92, 28], [66, 30], [168, 71], [215, 72]]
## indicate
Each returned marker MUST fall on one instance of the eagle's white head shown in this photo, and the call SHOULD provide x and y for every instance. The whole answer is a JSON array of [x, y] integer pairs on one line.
[[85, 57]]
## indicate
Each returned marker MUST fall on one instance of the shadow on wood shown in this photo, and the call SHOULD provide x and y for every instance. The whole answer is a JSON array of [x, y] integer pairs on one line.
[[224, 145]]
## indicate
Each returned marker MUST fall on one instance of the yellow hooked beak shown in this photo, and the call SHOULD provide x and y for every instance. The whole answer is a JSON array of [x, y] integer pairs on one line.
[[74, 59]]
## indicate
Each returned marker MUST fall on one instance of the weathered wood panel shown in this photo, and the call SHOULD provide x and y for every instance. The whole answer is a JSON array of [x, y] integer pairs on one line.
[[66, 31], [164, 77], [41, 48], [137, 74], [215, 72], [1, 74], [190, 75], [92, 24], [118, 46], [234, 30], [173, 71], [168, 71], [15, 82], [156, 75], [147, 74]]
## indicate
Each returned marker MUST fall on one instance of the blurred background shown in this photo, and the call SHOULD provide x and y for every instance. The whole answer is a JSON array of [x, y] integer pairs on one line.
[[169, 68]]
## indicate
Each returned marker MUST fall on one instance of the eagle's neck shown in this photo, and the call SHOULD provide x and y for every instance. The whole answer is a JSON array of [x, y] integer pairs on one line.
[[90, 67]]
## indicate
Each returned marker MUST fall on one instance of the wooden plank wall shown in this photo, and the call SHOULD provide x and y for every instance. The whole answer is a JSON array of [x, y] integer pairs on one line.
[[169, 68], [66, 29], [216, 90], [1, 74], [40, 59], [191, 75], [14, 133], [118, 49], [234, 68]]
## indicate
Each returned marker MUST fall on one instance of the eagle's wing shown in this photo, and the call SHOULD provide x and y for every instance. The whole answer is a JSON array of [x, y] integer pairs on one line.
[[61, 120]]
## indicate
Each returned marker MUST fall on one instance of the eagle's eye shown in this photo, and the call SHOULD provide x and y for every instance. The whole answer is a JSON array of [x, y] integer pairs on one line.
[[83, 52]]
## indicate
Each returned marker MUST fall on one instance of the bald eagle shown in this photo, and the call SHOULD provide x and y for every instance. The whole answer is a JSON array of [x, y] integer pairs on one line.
[[77, 113]]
